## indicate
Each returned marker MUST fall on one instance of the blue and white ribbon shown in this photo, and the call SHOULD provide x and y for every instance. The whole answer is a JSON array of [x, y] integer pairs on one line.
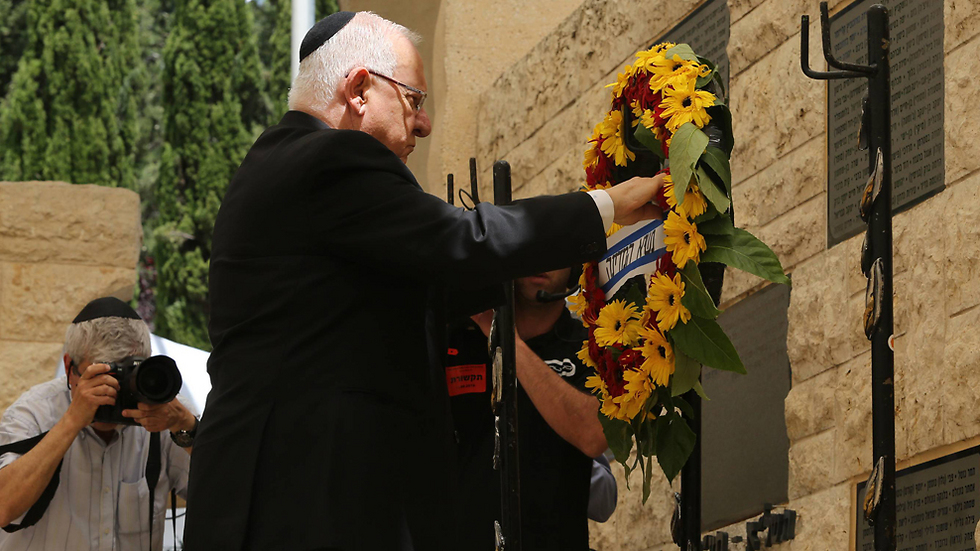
[[632, 251]]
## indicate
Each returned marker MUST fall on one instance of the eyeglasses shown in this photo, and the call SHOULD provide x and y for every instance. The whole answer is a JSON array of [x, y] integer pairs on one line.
[[417, 101]]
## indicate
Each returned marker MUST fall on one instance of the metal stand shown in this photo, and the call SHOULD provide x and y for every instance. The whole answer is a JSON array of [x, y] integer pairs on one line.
[[876, 261], [504, 366]]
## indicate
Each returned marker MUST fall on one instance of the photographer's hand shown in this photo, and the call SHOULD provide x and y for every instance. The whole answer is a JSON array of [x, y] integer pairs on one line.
[[171, 416], [94, 388]]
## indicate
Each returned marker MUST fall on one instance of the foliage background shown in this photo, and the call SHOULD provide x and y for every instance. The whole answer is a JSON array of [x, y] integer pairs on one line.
[[163, 97]]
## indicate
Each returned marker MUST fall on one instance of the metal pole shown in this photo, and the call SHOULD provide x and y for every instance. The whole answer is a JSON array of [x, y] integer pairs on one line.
[[510, 481], [691, 482], [880, 243], [876, 260], [304, 16]]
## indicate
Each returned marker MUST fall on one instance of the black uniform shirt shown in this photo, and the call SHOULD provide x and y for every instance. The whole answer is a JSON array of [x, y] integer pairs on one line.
[[554, 474]]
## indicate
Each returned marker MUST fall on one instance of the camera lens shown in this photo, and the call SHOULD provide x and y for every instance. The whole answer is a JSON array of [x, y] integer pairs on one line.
[[157, 380]]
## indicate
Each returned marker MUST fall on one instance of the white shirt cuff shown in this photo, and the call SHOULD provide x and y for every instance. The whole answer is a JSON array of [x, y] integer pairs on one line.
[[605, 205]]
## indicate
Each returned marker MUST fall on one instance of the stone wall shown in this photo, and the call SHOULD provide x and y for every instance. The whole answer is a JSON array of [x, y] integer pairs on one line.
[[61, 245], [538, 115]]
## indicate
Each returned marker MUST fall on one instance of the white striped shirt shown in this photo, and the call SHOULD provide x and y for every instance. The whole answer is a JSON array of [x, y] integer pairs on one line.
[[102, 501]]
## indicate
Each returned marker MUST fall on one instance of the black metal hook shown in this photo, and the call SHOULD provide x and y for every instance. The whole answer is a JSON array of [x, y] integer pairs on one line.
[[849, 70]]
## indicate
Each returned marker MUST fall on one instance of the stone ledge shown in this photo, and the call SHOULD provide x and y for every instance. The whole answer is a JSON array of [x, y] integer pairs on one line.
[[25, 364], [852, 445], [810, 406], [787, 183], [811, 464], [38, 301], [962, 96], [66, 223], [775, 109], [962, 22]]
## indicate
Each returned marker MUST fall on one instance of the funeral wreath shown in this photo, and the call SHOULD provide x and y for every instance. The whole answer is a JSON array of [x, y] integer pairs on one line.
[[650, 316]]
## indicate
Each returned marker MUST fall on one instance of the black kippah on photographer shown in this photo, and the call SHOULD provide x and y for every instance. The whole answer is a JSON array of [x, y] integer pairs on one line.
[[106, 307]]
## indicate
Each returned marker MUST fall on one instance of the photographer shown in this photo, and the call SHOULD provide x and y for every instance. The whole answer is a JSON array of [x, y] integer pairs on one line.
[[558, 424], [76, 483]]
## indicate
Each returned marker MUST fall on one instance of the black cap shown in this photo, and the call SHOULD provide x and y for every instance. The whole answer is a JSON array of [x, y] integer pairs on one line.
[[106, 307], [322, 31]]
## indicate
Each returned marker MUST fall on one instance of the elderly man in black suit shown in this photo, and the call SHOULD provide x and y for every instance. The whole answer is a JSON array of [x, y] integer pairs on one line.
[[328, 424]]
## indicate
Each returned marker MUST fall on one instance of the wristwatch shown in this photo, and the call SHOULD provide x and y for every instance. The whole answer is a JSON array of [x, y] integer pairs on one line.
[[185, 438]]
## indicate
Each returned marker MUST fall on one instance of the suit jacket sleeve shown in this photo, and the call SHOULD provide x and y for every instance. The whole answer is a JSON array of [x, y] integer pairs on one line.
[[373, 211]]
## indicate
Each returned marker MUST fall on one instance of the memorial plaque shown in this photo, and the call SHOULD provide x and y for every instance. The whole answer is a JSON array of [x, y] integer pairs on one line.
[[706, 30], [744, 447], [935, 503], [917, 111]]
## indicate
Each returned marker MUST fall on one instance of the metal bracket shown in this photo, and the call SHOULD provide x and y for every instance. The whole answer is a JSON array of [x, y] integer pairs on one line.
[[848, 70]]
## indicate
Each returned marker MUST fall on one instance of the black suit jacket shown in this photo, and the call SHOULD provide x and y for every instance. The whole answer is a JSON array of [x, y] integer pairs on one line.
[[327, 424]]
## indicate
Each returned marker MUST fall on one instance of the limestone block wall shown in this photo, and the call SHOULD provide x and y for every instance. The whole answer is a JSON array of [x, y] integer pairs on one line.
[[538, 115], [61, 245]]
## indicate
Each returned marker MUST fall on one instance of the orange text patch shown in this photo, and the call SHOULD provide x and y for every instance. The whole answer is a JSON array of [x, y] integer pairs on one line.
[[466, 379]]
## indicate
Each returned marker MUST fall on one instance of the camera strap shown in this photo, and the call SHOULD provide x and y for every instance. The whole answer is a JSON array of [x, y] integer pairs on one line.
[[41, 505], [153, 473]]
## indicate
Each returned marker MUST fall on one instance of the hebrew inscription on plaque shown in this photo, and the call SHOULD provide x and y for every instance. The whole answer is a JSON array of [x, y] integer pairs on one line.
[[935, 504], [917, 110]]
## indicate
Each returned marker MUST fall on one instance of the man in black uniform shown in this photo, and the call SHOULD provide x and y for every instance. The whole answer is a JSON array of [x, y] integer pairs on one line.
[[558, 427]]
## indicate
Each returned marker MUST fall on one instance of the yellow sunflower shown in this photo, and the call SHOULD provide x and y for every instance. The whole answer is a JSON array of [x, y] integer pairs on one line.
[[596, 384], [659, 356], [645, 60], [674, 72], [682, 239], [611, 131], [577, 304], [610, 408], [665, 298], [694, 203], [638, 389], [622, 80], [684, 103], [585, 356], [618, 323]]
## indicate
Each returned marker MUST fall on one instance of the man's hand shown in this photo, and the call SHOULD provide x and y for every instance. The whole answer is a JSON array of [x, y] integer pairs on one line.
[[172, 415], [632, 199], [93, 389]]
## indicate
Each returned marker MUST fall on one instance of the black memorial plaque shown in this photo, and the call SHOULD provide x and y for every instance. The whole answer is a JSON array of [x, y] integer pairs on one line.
[[936, 504], [706, 30], [917, 111], [744, 447]]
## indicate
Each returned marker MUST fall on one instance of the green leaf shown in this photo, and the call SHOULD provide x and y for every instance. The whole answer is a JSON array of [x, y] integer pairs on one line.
[[705, 341], [719, 225], [712, 192], [685, 407], [700, 391], [746, 252], [675, 442], [619, 435], [686, 374], [686, 148], [682, 50], [645, 137], [718, 162], [709, 214], [696, 297], [647, 438]]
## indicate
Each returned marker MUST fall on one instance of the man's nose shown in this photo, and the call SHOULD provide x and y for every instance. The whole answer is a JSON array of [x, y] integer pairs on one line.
[[423, 126]]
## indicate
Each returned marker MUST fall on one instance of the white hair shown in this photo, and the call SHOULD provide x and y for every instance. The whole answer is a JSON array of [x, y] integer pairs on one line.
[[107, 340], [364, 42]]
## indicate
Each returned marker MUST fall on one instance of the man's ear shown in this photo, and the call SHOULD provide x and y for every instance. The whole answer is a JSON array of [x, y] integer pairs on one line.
[[356, 85], [67, 361]]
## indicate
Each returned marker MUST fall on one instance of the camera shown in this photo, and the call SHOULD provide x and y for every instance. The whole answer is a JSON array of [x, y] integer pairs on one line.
[[153, 380]]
